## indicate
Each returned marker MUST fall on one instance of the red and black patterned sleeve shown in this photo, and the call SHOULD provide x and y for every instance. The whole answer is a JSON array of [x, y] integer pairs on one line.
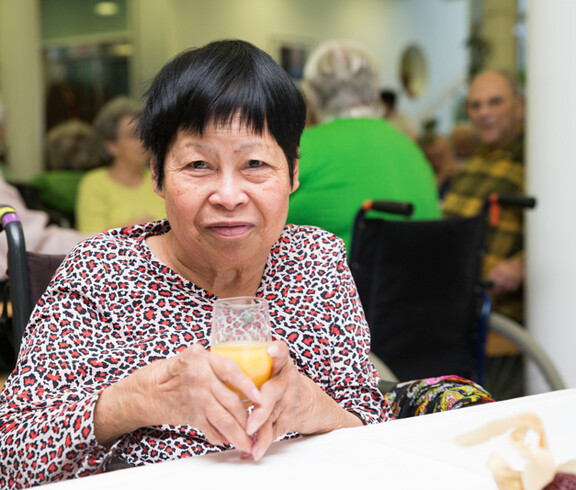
[[354, 383], [46, 410]]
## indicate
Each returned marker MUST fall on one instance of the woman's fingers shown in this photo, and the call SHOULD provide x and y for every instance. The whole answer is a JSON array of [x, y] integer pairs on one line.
[[279, 399], [204, 390], [229, 372], [262, 440], [222, 428]]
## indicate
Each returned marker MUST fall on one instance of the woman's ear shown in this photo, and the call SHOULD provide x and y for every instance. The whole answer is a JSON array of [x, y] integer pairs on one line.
[[110, 147], [295, 177]]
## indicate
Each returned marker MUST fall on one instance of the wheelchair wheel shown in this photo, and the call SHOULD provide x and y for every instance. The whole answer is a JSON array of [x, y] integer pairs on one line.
[[522, 367], [387, 377]]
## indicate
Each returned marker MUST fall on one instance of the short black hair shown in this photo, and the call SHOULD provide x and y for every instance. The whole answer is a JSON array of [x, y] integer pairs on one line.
[[213, 84], [388, 97]]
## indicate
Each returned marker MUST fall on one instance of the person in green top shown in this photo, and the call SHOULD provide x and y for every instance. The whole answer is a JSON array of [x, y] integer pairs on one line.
[[353, 154]]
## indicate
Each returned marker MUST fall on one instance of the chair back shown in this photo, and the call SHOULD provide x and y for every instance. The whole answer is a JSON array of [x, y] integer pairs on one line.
[[418, 283]]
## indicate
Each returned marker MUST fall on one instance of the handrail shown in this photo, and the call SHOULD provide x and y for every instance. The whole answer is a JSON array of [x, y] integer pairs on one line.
[[17, 267]]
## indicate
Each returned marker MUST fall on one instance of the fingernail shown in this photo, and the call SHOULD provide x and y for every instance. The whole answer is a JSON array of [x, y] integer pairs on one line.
[[257, 453]]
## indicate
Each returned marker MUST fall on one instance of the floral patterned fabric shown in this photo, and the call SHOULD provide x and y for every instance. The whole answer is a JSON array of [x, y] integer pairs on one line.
[[433, 395]]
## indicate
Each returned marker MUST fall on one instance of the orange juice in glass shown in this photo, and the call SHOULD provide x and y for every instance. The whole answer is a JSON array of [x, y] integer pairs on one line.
[[241, 331]]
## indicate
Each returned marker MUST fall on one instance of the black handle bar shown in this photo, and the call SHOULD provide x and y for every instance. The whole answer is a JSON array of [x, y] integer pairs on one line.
[[19, 287], [403, 208], [509, 200]]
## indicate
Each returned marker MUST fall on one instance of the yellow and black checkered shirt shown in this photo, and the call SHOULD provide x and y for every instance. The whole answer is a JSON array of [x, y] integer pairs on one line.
[[500, 171]]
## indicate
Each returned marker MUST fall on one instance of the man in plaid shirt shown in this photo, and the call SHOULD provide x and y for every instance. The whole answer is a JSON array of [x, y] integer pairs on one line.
[[496, 110]]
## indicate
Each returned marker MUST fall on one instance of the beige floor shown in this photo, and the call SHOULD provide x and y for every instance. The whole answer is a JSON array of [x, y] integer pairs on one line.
[[3, 377]]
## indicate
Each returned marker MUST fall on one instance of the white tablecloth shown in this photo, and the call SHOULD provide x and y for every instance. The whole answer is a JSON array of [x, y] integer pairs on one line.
[[406, 454]]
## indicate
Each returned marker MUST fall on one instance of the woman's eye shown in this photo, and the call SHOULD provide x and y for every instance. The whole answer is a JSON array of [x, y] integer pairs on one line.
[[255, 164], [199, 165]]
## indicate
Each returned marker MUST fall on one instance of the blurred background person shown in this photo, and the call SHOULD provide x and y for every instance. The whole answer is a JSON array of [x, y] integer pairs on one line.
[[397, 119], [121, 193], [439, 153], [40, 236], [496, 109], [464, 141], [70, 153], [353, 154]]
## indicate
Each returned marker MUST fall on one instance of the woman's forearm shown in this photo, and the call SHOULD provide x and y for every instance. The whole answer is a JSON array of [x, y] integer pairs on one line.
[[117, 412]]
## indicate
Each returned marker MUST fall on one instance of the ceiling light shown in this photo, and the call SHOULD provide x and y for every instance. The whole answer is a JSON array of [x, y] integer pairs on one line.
[[106, 9]]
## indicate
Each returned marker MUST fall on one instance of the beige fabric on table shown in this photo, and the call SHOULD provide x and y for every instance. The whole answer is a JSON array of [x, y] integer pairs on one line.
[[540, 468]]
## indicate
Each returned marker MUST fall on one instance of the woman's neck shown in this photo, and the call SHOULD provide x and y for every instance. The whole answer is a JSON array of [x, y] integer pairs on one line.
[[224, 280], [126, 174]]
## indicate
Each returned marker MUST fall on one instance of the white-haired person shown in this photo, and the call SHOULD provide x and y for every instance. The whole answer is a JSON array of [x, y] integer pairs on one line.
[[353, 154]]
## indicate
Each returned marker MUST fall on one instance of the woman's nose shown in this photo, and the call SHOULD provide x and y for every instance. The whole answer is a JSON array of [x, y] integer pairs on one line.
[[229, 192]]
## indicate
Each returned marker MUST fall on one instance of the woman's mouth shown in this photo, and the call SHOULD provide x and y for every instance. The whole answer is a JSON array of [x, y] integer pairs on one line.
[[231, 231]]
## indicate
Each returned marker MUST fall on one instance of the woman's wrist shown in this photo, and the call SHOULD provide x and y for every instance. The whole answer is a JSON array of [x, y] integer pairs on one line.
[[117, 412], [326, 415]]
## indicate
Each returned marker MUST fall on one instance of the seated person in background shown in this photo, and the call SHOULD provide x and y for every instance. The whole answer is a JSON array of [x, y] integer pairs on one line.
[[353, 154], [135, 379], [70, 152], [439, 153], [39, 235], [400, 121], [464, 142], [120, 194], [496, 110]]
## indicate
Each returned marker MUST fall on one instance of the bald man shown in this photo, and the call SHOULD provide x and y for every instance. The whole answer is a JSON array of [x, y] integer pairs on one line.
[[496, 110]]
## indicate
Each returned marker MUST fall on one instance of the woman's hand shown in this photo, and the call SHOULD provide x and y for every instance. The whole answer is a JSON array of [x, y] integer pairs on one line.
[[292, 402], [186, 389]]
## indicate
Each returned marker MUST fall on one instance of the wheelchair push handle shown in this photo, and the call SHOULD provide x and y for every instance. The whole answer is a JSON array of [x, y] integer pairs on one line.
[[7, 215], [527, 202], [393, 207], [19, 285]]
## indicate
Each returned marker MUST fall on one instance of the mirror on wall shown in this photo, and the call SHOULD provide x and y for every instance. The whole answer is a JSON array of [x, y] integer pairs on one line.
[[413, 73]]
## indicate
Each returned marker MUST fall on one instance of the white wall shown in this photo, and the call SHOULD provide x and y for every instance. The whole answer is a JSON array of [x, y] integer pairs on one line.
[[162, 28], [21, 86], [384, 27]]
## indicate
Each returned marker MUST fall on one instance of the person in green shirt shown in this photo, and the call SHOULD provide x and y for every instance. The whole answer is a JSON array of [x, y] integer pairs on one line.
[[353, 154]]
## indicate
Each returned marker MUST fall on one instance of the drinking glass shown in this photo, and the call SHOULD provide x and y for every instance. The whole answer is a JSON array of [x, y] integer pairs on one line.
[[241, 331]]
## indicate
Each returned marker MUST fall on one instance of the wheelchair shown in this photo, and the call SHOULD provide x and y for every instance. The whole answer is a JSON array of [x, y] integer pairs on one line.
[[28, 276], [426, 304]]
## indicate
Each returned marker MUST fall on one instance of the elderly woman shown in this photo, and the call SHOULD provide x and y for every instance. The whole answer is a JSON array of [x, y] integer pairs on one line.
[[115, 363], [120, 193], [353, 154], [116, 366]]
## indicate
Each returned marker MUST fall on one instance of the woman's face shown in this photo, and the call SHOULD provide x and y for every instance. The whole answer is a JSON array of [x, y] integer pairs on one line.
[[127, 147], [226, 194]]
